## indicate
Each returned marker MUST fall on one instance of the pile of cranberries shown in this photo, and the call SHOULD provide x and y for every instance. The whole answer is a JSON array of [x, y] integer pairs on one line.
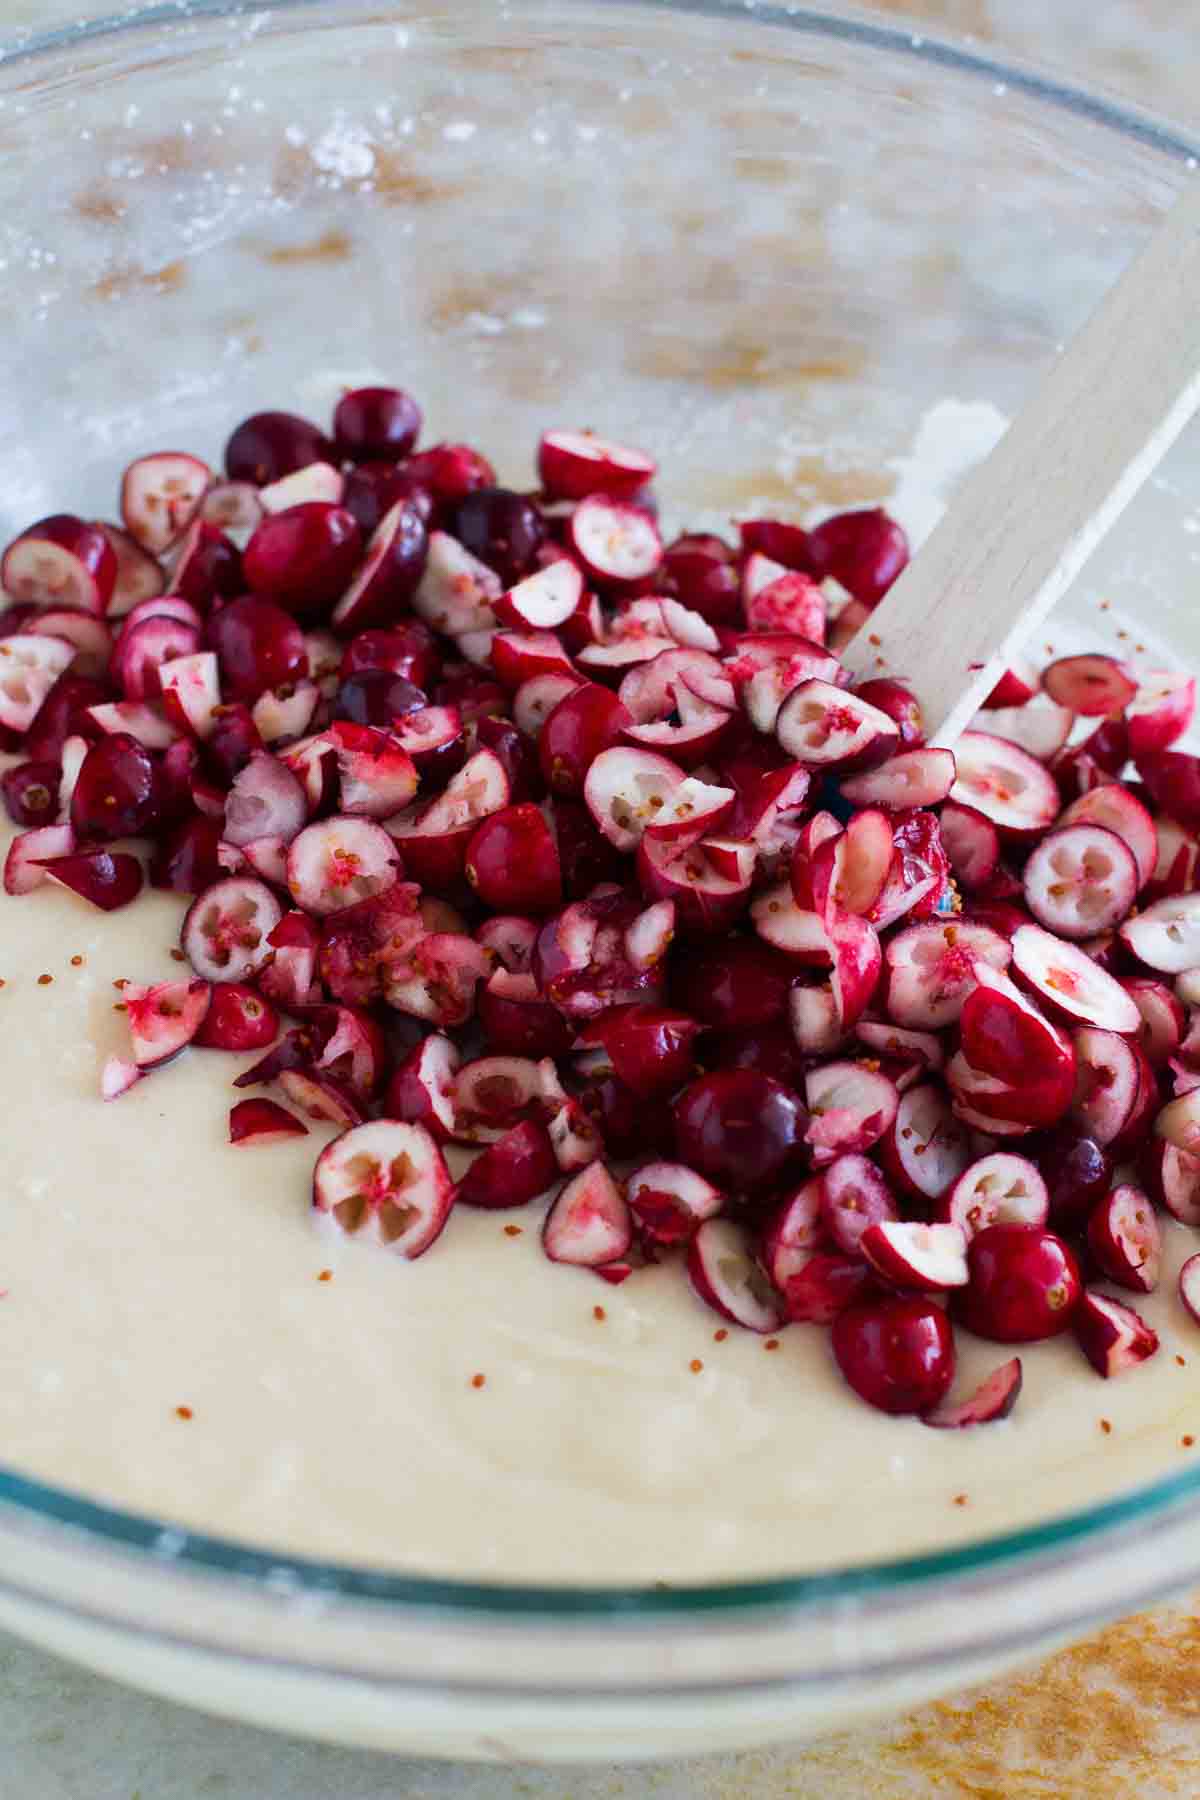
[[551, 840]]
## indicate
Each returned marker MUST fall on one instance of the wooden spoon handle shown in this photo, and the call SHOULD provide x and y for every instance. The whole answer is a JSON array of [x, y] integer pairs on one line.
[[1026, 520]]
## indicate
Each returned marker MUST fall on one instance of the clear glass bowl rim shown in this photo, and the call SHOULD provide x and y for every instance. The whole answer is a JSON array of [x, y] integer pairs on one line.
[[117, 1530]]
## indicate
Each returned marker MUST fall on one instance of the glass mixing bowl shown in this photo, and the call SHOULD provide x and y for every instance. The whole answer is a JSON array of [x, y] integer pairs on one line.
[[760, 239]]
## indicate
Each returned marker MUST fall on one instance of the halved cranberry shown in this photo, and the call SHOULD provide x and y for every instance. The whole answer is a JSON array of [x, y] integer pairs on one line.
[[31, 793], [258, 646], [108, 879], [61, 561], [1024, 1285], [1125, 1239], [740, 1128], [512, 861], [573, 464], [372, 422], [389, 574], [897, 700], [864, 550], [117, 794], [502, 528], [187, 862], [225, 930], [237, 1019], [387, 1184], [269, 445], [896, 1353], [514, 1170], [725, 1274], [584, 724], [304, 558], [670, 1202], [160, 496]]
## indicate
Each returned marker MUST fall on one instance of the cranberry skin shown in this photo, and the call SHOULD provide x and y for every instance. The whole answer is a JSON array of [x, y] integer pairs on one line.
[[187, 861], [376, 422], [502, 738], [782, 542], [373, 488], [238, 1019], [473, 691], [213, 570], [900, 704], [117, 794], [522, 1027], [650, 1047], [269, 445], [897, 1353], [1024, 1285], [304, 557], [503, 529], [451, 472], [62, 715], [407, 650], [586, 856], [376, 697], [1173, 779], [864, 550], [231, 743], [1078, 1173], [771, 1048], [512, 862], [734, 985], [629, 1124], [702, 572], [587, 721], [741, 1128], [31, 793], [258, 646]]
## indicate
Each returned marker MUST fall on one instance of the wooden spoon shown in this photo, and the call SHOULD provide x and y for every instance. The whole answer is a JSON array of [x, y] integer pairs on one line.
[[1026, 520]]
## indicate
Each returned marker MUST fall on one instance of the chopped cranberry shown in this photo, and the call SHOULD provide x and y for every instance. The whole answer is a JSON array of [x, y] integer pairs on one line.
[[373, 488], [62, 714], [117, 794], [376, 697], [408, 649], [187, 862], [233, 740], [31, 793], [503, 529], [865, 551], [258, 645], [269, 445], [372, 422]]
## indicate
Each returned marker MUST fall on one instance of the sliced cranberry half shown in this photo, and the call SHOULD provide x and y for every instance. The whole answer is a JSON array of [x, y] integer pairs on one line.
[[385, 1184], [225, 930], [61, 561], [269, 445]]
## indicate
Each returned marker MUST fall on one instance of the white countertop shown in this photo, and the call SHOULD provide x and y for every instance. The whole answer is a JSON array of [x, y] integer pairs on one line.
[[1118, 1716]]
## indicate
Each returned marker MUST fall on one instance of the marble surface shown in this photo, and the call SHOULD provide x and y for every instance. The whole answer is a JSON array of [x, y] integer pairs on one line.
[[1113, 1718]]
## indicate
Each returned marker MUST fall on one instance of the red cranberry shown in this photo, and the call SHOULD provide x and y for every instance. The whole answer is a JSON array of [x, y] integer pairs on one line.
[[502, 528], [650, 1047], [864, 550], [62, 714], [739, 1127], [585, 722], [629, 1124], [187, 861], [117, 793], [896, 1353], [701, 570], [512, 862], [373, 422], [586, 856], [1173, 778], [473, 691], [771, 1048], [522, 1027], [373, 488], [269, 445], [31, 793], [231, 743], [408, 650], [304, 557], [451, 472], [782, 542], [735, 985], [258, 646], [1077, 1172], [376, 697], [1024, 1284], [518, 755], [210, 566], [900, 704]]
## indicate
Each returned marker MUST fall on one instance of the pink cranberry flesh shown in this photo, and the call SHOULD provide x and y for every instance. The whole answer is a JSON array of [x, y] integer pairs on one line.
[[1024, 1285], [376, 422], [512, 862], [896, 1353], [258, 646], [269, 445], [503, 529], [304, 557], [117, 793], [740, 1128]]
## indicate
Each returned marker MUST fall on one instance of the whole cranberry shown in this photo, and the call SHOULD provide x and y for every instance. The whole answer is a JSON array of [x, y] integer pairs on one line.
[[62, 715], [31, 793], [1077, 1172], [864, 550], [269, 445], [899, 703], [502, 528], [409, 650], [375, 422], [738, 984], [376, 697], [258, 646], [117, 793], [739, 1127], [373, 488], [304, 557], [451, 472], [1024, 1285], [512, 862], [896, 1353]]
